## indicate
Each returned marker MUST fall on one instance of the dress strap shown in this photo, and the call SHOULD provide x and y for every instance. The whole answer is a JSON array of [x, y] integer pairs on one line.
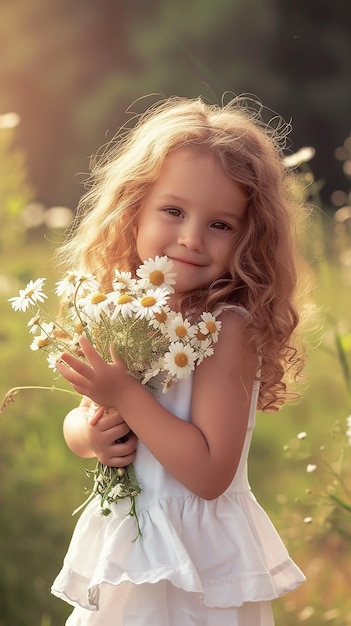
[[232, 307]]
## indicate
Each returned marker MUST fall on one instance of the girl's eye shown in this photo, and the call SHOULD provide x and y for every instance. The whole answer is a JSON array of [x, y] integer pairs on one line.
[[221, 226], [173, 211]]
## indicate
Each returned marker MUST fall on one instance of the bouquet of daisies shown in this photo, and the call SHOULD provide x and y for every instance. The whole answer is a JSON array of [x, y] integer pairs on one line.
[[136, 320]]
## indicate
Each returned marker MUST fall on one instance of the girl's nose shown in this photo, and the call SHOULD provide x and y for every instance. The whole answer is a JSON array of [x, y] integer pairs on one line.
[[191, 237]]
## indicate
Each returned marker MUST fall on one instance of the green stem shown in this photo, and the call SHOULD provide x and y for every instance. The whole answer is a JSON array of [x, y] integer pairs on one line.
[[15, 390]]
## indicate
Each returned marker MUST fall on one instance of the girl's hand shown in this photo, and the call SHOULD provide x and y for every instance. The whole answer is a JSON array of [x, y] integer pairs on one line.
[[110, 438], [98, 380]]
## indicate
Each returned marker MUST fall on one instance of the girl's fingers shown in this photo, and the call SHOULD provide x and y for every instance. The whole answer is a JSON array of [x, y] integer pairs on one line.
[[93, 420], [90, 353], [115, 359], [75, 364], [121, 461], [76, 380]]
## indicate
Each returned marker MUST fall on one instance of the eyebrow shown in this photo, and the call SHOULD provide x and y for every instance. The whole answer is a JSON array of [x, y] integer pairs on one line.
[[180, 199]]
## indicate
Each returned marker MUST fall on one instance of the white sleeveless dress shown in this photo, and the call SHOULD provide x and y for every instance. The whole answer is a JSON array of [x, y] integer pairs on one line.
[[199, 562]]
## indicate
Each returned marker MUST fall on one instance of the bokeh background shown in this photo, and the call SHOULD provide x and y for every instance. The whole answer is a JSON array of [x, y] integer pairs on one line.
[[69, 73]]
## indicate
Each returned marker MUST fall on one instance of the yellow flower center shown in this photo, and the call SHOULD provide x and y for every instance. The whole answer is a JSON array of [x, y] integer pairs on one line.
[[43, 342], [97, 297], [124, 299], [211, 327], [148, 301], [156, 278], [161, 317], [180, 331], [200, 336], [181, 359]]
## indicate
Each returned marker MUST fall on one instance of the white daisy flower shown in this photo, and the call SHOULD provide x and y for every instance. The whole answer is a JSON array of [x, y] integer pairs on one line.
[[123, 282], [348, 431], [34, 323], [302, 435], [52, 358], [167, 383], [45, 338], [159, 320], [116, 492], [204, 350], [94, 304], [311, 467], [30, 295], [74, 342], [209, 325], [73, 313], [123, 304], [180, 359], [151, 302], [153, 371], [149, 374], [156, 273], [180, 329], [76, 282]]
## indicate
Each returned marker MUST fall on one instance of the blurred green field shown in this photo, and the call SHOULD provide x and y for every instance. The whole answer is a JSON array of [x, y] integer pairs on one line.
[[42, 481]]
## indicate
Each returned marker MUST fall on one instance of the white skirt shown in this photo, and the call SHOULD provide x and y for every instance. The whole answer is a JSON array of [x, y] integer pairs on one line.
[[163, 603]]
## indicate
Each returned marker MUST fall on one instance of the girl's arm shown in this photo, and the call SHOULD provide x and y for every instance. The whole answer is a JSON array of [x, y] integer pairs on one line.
[[97, 434], [203, 454]]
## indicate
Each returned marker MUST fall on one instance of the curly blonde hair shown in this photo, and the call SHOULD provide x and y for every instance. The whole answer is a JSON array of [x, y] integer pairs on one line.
[[263, 274]]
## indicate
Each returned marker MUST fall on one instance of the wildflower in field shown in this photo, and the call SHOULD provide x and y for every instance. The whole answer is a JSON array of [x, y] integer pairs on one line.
[[306, 613], [303, 155], [302, 435], [348, 431], [311, 467]]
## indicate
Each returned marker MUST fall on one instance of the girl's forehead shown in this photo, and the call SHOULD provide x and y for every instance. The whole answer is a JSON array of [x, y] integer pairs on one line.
[[189, 161], [194, 176]]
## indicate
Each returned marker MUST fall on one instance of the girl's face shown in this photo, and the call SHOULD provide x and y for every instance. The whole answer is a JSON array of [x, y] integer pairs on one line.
[[193, 215]]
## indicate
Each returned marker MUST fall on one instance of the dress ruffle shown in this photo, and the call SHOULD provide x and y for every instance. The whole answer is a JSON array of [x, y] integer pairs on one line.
[[227, 568]]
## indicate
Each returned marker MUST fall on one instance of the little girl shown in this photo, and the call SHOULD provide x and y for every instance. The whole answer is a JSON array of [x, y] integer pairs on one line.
[[205, 186]]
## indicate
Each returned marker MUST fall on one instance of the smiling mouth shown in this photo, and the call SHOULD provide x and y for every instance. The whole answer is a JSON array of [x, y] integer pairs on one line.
[[187, 262]]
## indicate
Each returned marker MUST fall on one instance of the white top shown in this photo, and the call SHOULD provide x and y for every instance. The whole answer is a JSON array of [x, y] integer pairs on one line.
[[225, 549]]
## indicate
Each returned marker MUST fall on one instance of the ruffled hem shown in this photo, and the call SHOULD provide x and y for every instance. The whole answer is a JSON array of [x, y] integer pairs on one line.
[[236, 557]]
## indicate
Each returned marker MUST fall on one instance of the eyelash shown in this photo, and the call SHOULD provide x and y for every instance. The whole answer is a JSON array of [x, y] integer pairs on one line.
[[226, 226], [174, 211]]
